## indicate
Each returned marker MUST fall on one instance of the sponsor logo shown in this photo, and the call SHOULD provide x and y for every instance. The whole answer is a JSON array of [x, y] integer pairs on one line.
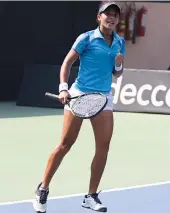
[[144, 95]]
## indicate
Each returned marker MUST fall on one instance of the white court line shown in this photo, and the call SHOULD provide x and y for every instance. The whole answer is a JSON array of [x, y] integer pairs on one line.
[[82, 194]]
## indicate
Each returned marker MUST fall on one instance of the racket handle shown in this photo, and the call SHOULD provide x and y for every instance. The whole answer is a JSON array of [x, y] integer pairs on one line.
[[50, 95], [56, 97]]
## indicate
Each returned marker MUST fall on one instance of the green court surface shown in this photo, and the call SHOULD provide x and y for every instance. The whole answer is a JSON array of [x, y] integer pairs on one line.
[[139, 152]]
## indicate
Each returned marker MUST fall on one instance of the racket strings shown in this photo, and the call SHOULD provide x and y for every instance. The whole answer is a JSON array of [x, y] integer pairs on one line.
[[88, 106]]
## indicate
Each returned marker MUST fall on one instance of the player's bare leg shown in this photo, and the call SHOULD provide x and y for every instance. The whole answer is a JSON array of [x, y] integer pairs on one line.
[[103, 129], [71, 128]]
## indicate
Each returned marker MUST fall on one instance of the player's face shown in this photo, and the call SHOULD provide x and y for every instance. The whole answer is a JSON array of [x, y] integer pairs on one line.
[[109, 18]]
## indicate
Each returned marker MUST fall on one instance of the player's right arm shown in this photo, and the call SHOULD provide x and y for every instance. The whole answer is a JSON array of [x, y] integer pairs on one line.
[[70, 58], [76, 50]]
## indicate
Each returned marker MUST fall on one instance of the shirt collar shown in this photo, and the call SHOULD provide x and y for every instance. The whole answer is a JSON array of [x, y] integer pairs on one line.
[[97, 34]]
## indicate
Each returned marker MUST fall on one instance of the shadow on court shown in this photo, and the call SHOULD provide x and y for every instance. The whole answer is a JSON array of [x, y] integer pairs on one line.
[[10, 110], [150, 199]]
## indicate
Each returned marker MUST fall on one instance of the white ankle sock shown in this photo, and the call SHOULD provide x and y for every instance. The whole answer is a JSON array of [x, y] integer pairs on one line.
[[45, 189]]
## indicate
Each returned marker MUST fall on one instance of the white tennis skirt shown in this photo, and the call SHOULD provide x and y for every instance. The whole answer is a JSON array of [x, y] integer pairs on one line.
[[75, 92]]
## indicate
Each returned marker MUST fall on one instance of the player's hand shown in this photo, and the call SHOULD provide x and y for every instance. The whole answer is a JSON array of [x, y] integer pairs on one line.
[[63, 96], [119, 59]]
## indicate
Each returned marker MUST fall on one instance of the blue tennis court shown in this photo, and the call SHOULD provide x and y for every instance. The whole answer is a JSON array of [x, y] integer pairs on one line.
[[154, 198]]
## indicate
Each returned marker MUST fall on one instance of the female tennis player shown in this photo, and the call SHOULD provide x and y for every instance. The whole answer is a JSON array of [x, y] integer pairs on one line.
[[101, 53]]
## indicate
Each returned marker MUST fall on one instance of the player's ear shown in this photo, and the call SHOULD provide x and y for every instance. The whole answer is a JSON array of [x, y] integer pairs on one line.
[[98, 19]]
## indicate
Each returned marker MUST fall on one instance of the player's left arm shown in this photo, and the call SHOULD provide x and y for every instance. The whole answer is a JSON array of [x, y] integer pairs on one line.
[[119, 61]]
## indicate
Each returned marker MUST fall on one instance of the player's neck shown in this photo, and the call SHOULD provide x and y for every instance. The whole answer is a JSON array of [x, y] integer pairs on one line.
[[106, 32]]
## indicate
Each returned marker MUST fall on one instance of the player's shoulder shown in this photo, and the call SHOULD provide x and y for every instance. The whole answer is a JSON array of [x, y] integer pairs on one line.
[[88, 35]]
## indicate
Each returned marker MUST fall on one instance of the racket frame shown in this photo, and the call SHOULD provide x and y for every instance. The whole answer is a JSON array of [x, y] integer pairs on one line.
[[87, 117], [56, 97]]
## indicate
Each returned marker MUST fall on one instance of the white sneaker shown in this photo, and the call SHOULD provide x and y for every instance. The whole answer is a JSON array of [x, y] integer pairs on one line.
[[40, 203], [92, 202]]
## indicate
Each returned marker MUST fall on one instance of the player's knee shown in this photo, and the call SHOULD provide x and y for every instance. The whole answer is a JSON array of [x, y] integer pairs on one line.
[[65, 146]]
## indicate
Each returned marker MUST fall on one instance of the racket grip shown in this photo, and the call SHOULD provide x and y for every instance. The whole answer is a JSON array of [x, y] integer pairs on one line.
[[50, 95]]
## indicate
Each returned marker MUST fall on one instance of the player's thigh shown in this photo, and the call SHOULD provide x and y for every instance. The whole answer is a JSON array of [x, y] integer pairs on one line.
[[103, 128], [71, 128]]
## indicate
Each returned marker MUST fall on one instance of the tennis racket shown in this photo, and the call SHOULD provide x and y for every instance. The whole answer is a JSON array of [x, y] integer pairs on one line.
[[85, 106]]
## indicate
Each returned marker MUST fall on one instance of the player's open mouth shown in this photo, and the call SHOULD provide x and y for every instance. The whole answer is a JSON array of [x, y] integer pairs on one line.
[[112, 23]]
